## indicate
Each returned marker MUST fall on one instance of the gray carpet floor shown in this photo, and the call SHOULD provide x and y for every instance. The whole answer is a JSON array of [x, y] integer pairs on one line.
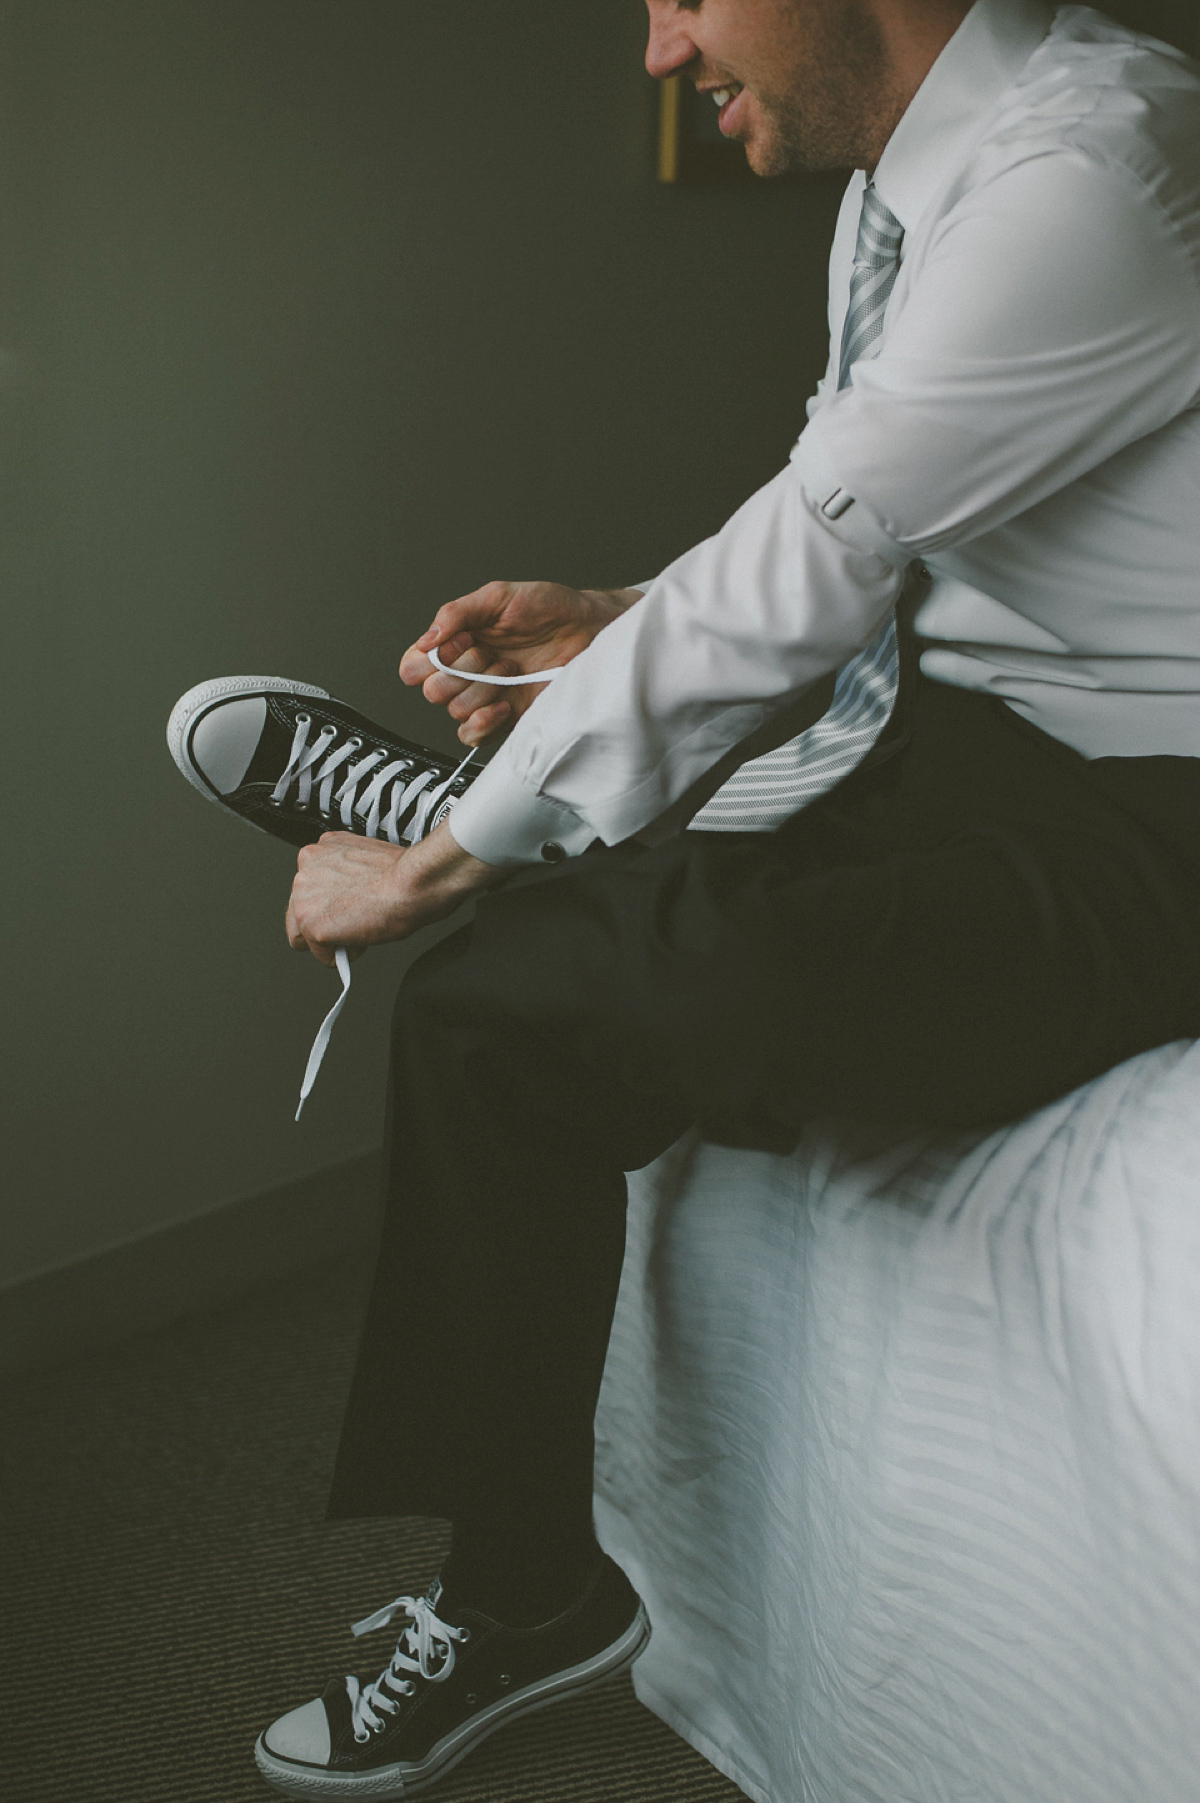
[[168, 1585]]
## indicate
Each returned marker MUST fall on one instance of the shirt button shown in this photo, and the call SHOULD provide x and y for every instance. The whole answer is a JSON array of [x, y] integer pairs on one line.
[[553, 852]]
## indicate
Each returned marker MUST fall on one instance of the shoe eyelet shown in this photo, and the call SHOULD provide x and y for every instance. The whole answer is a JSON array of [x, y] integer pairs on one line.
[[361, 1738], [504, 1680], [472, 1699], [303, 719], [356, 742], [464, 1634]]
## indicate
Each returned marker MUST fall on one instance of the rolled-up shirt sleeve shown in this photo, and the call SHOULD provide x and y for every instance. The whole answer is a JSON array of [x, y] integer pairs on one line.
[[1051, 323]]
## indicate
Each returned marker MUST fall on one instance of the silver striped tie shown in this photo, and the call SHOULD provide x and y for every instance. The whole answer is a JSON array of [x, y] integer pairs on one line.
[[768, 790]]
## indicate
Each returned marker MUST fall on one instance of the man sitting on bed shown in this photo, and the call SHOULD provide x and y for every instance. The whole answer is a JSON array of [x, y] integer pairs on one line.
[[972, 887]]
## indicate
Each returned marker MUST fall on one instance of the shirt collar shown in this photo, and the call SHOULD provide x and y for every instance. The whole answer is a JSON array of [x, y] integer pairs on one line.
[[982, 59]]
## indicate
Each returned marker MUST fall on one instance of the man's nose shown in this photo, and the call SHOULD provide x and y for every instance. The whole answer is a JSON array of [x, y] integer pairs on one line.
[[670, 48]]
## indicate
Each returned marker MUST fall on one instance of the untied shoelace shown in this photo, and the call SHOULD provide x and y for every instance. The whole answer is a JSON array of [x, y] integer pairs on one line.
[[319, 765], [302, 769]]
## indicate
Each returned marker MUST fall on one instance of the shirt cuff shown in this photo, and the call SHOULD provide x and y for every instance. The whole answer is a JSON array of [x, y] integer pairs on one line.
[[504, 822]]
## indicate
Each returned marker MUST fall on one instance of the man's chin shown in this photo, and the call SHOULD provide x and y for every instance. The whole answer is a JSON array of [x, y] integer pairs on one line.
[[767, 153], [766, 159], [773, 158]]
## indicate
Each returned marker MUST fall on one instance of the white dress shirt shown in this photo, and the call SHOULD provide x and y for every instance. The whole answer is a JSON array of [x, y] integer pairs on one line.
[[1030, 429]]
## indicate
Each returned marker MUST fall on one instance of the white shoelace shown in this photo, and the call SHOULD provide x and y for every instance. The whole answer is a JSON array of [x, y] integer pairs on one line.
[[318, 766], [427, 1639], [341, 958], [497, 682]]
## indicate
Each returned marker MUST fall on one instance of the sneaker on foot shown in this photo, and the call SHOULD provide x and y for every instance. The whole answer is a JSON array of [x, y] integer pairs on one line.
[[287, 758], [455, 1677]]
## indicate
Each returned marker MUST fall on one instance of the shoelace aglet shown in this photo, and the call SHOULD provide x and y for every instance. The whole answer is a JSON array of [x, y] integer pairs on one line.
[[342, 961]]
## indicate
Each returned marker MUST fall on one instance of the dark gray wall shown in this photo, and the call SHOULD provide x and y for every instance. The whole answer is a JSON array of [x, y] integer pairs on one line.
[[316, 313]]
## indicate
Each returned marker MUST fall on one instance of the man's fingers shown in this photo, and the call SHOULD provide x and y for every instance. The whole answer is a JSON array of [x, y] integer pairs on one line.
[[324, 954], [469, 613], [295, 937], [415, 666], [441, 689], [295, 932], [340, 890], [451, 630], [300, 942], [477, 695], [484, 722], [460, 696]]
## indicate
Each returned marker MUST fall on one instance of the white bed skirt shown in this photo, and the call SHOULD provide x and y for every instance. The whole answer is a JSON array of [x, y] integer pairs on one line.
[[901, 1445]]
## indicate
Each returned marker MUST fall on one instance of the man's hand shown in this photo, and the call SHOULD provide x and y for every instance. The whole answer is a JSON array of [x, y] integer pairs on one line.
[[359, 892], [507, 629]]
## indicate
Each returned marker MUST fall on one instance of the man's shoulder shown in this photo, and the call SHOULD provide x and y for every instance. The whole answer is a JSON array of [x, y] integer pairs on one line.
[[1098, 94], [1097, 87]]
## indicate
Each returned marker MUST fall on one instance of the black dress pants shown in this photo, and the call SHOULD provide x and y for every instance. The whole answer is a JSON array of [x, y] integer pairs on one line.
[[972, 924]]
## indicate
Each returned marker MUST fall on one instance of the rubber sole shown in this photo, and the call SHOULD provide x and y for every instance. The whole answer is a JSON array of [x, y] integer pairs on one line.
[[390, 1782], [190, 707]]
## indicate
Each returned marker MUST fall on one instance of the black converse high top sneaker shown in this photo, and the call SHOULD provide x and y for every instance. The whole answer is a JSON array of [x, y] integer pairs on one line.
[[455, 1677], [289, 759]]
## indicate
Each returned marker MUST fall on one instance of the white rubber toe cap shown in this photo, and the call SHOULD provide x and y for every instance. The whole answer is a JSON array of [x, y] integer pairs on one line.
[[226, 739], [214, 729], [302, 1734]]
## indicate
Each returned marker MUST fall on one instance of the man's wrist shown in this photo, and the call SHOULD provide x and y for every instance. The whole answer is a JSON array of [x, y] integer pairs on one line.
[[611, 602], [438, 872]]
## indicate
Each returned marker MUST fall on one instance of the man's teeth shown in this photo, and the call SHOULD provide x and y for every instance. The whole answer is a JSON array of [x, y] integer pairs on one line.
[[723, 95]]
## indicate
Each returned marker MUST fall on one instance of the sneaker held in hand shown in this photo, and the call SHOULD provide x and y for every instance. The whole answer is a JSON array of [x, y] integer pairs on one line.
[[289, 759]]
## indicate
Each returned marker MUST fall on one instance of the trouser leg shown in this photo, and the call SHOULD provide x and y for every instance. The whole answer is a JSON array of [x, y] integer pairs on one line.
[[500, 1254], [958, 937]]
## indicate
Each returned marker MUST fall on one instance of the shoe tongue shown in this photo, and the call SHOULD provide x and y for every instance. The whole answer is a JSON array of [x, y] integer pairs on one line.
[[275, 741]]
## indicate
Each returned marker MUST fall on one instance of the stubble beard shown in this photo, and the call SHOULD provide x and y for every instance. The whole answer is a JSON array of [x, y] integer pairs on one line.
[[843, 104]]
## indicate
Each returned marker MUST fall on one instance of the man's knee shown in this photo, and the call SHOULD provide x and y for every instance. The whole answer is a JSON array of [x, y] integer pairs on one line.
[[537, 1005], [535, 955]]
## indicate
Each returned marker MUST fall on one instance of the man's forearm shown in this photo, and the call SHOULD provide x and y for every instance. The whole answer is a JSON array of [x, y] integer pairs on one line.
[[436, 876]]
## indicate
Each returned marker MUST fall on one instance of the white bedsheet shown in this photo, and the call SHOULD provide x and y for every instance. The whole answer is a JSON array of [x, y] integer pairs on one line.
[[901, 1444]]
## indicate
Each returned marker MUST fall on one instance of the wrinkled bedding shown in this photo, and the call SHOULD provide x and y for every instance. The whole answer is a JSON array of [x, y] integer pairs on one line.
[[900, 1441]]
